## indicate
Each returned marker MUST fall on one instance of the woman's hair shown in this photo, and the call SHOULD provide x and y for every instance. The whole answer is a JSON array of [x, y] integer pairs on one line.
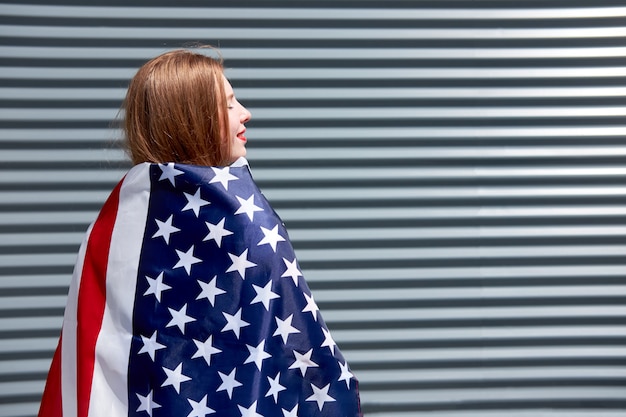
[[175, 111]]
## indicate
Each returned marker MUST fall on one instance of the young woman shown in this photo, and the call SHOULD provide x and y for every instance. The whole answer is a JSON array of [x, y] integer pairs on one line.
[[187, 298]]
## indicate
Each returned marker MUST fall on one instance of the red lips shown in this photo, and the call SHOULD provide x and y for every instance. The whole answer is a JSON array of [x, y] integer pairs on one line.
[[241, 135]]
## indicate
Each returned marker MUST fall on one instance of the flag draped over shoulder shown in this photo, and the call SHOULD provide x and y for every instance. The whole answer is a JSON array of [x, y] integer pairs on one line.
[[188, 300]]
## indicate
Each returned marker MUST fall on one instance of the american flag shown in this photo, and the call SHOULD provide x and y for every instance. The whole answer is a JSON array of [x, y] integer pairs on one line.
[[187, 300]]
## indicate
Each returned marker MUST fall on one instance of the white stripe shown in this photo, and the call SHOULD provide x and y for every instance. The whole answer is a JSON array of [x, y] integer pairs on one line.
[[474, 73], [68, 348], [329, 113], [109, 391], [357, 134], [310, 13], [178, 33], [499, 395], [531, 373], [346, 133], [278, 94], [482, 252], [503, 410], [308, 54]]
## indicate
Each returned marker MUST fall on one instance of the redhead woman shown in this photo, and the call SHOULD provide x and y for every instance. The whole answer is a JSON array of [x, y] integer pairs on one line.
[[187, 298]]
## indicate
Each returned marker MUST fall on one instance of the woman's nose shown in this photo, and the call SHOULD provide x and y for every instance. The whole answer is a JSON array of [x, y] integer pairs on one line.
[[245, 115]]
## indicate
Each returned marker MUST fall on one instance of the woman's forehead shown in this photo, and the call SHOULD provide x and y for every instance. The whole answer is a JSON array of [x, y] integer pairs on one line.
[[228, 89]]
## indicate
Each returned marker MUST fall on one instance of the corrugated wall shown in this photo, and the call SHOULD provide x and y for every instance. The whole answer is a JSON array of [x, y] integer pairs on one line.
[[453, 176]]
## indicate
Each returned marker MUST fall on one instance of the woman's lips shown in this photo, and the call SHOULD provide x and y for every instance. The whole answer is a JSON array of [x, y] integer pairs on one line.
[[242, 136]]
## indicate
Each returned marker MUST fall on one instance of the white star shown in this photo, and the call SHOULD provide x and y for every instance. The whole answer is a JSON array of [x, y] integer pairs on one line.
[[222, 175], [228, 383], [271, 237], [165, 229], [234, 323], [292, 270], [240, 263], [147, 404], [210, 290], [264, 295], [275, 387], [150, 345], [257, 354], [285, 328], [186, 259], [321, 396], [205, 350], [247, 207], [179, 318], [303, 361], [194, 202], [168, 171], [199, 409], [292, 413], [156, 286], [217, 232], [328, 341], [311, 306], [175, 377], [249, 412], [345, 374]]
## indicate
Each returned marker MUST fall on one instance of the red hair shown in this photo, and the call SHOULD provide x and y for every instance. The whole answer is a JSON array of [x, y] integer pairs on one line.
[[175, 111]]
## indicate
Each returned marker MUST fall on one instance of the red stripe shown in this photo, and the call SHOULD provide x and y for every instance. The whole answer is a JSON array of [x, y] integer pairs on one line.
[[51, 402], [92, 298]]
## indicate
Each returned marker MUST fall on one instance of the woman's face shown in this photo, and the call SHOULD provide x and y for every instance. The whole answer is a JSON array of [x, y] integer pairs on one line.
[[237, 116]]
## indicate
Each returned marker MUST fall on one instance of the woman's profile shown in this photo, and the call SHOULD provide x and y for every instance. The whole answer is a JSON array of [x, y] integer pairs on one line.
[[187, 298]]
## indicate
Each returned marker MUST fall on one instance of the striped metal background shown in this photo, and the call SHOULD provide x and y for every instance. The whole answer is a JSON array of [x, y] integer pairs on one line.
[[453, 176]]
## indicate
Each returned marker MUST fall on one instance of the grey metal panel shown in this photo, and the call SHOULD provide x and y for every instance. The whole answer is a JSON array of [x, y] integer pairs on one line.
[[452, 175]]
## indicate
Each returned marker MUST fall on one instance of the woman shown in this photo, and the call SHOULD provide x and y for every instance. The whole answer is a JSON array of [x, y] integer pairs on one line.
[[187, 298]]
